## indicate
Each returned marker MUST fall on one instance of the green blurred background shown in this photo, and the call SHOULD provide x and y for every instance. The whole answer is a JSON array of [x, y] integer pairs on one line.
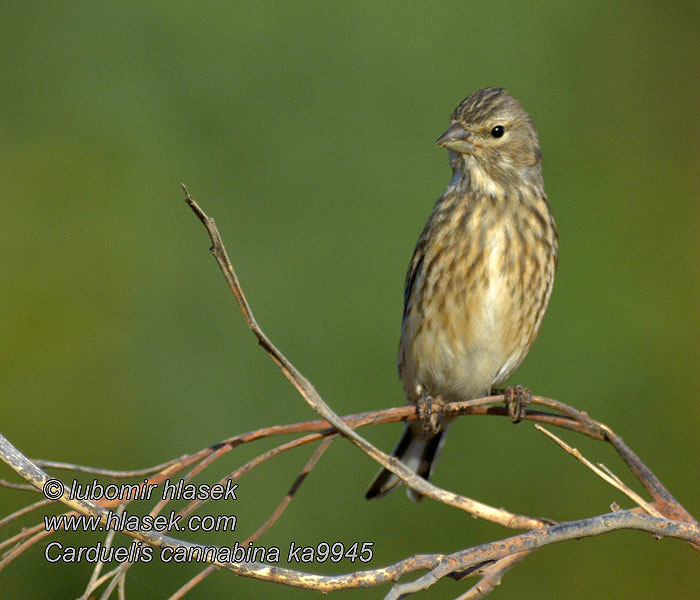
[[306, 130]]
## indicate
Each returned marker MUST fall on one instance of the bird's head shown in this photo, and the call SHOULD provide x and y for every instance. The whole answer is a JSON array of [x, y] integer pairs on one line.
[[491, 136]]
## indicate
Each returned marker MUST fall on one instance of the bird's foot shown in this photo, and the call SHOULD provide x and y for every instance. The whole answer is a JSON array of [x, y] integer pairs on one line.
[[430, 413], [517, 398]]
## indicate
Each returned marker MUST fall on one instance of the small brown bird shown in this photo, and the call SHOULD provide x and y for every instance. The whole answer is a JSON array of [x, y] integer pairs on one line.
[[481, 274]]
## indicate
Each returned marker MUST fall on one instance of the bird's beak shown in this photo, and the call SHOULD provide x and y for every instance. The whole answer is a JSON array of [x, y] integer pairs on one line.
[[455, 139]]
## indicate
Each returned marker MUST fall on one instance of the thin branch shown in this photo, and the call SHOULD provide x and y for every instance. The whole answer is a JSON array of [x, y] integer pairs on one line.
[[234, 476], [25, 487], [538, 538], [250, 465], [663, 499], [670, 506], [92, 583], [112, 474], [23, 511], [315, 457], [106, 577], [491, 576], [110, 588], [611, 479], [489, 405], [311, 463], [22, 535], [39, 533], [189, 585]]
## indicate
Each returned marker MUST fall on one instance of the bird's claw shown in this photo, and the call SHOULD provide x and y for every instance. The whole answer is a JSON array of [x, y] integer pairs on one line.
[[516, 398], [430, 413]]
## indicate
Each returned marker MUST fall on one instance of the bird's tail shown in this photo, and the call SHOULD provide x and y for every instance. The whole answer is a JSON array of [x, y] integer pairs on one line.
[[418, 454]]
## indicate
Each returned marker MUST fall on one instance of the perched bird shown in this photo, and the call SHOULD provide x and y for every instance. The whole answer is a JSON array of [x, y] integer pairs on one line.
[[481, 274]]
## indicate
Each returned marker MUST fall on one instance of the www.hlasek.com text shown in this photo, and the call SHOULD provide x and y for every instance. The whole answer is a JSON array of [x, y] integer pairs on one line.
[[128, 522]]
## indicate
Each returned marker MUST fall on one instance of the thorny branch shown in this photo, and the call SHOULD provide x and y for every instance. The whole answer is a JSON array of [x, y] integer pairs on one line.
[[663, 516]]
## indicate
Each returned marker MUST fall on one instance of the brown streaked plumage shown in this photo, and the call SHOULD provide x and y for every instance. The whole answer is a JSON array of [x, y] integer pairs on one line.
[[481, 274]]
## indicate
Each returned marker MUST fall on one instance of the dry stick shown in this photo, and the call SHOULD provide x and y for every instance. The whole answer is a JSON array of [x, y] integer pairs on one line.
[[611, 479], [17, 486], [314, 400], [537, 538], [51, 464], [491, 576], [315, 457], [477, 407], [664, 500], [611, 474], [480, 406], [309, 393], [39, 534], [122, 586], [311, 463], [92, 585], [171, 467], [25, 533], [23, 511], [119, 573], [251, 464], [488, 405], [106, 577], [440, 565], [109, 589], [189, 585]]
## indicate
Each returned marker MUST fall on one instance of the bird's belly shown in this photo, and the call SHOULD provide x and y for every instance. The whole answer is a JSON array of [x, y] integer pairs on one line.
[[459, 348]]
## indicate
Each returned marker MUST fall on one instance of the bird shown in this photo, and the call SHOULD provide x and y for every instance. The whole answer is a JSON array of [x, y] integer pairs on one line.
[[480, 278]]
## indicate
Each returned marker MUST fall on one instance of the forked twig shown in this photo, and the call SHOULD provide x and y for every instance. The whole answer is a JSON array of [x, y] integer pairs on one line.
[[491, 576], [277, 513], [608, 476], [95, 580]]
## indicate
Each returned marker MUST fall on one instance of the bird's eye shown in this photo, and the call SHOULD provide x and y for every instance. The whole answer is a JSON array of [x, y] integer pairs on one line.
[[498, 131]]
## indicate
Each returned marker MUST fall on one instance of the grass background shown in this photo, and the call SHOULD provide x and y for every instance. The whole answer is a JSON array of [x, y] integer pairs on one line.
[[306, 130]]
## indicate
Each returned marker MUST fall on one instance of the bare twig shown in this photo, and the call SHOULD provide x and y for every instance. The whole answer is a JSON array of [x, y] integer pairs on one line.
[[538, 538], [608, 477], [491, 576], [315, 457], [17, 486], [93, 582], [112, 474], [311, 463], [38, 533], [250, 465], [17, 538], [196, 580], [663, 499], [23, 511]]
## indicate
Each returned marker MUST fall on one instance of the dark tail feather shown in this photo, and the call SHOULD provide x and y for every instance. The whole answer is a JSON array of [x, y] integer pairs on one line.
[[417, 454]]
